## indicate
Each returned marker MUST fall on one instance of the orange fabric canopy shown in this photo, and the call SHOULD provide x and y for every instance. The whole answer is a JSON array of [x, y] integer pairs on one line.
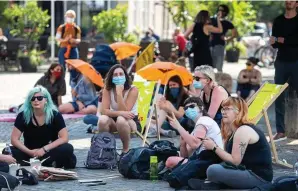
[[87, 70], [124, 49], [164, 71]]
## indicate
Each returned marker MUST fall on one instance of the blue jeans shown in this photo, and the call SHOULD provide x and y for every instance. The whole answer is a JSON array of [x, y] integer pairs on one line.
[[90, 119], [74, 54], [284, 72]]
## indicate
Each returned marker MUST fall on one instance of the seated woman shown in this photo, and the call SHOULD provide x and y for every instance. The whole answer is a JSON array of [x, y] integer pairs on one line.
[[44, 132], [204, 127], [212, 94], [249, 79], [53, 81], [84, 97], [119, 109], [247, 151], [172, 102]]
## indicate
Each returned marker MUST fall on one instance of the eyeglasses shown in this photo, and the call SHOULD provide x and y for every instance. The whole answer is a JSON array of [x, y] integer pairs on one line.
[[197, 78], [225, 109], [189, 106], [39, 98]]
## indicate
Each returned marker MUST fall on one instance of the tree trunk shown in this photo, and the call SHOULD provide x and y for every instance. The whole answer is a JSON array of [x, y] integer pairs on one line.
[[291, 113]]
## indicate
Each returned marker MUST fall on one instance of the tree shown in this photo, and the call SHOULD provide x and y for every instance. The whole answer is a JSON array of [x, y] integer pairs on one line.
[[113, 24], [28, 22], [242, 14], [268, 10]]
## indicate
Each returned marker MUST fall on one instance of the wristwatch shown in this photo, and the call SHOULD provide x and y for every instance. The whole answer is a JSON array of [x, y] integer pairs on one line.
[[214, 148], [45, 150]]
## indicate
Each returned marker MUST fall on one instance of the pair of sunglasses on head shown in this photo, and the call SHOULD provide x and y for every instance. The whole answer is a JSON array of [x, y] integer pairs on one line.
[[190, 106]]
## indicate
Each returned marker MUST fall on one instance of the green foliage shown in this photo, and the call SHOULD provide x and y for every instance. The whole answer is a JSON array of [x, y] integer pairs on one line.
[[267, 11], [24, 17], [3, 20], [242, 14], [236, 45], [36, 57], [113, 23]]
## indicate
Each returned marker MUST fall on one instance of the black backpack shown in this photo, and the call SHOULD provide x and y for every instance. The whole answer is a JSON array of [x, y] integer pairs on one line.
[[102, 153], [8, 181], [135, 164], [164, 149]]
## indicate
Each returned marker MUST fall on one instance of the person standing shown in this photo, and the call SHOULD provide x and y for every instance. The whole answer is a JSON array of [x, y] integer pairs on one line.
[[180, 41], [201, 30], [218, 40], [285, 39], [69, 36]]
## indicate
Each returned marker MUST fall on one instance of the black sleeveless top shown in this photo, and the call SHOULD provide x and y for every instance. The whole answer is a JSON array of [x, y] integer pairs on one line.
[[257, 156], [218, 115]]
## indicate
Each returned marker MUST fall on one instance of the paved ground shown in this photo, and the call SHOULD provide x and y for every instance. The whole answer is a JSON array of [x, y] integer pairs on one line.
[[14, 88]]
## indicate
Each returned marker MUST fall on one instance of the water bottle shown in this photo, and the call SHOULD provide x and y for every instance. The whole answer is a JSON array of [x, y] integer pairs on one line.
[[7, 149], [296, 168], [153, 168]]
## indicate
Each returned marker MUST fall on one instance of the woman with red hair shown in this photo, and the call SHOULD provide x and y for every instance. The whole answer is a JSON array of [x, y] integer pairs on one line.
[[247, 156]]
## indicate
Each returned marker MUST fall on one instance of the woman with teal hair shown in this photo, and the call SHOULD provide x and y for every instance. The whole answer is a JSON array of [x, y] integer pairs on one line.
[[44, 132]]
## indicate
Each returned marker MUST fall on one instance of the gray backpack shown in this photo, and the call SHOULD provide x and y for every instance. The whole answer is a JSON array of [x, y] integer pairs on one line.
[[102, 153]]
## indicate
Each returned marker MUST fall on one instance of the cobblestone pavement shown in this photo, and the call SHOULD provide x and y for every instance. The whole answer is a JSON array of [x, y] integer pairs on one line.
[[14, 88]]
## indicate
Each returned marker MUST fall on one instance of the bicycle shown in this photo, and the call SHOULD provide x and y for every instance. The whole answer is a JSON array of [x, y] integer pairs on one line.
[[266, 55]]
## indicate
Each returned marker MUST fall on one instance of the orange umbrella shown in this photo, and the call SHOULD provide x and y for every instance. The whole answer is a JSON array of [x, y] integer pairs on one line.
[[87, 70], [124, 49], [164, 71]]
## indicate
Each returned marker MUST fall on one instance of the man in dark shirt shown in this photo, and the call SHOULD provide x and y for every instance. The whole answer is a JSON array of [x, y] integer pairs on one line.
[[285, 39], [218, 40]]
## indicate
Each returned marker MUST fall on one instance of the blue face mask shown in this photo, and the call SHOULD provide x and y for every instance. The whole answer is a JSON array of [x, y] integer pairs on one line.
[[119, 80], [198, 85], [192, 113], [174, 92]]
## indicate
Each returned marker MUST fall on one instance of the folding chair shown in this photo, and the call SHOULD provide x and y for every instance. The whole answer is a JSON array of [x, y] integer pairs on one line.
[[145, 95], [258, 106]]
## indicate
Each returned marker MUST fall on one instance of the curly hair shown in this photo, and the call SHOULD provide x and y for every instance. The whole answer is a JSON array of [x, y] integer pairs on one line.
[[109, 85]]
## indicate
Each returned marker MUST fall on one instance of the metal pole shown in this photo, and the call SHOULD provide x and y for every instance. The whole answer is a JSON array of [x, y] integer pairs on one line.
[[79, 13], [64, 7], [109, 4], [52, 29]]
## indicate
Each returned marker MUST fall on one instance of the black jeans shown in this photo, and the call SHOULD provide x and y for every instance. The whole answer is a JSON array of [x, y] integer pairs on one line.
[[4, 167], [62, 155], [284, 72]]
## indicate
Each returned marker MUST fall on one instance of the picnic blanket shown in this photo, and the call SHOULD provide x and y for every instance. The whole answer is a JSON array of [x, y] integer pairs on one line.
[[11, 117]]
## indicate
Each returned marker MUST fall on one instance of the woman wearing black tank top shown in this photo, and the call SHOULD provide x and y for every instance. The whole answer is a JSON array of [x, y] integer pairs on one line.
[[245, 147], [201, 30], [212, 94]]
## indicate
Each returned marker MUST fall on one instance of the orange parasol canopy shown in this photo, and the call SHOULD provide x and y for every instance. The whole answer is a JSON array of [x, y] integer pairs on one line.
[[87, 70], [164, 71], [124, 49]]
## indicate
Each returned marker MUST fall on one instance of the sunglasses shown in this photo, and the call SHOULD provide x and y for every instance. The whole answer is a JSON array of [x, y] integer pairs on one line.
[[189, 106], [39, 98], [197, 78]]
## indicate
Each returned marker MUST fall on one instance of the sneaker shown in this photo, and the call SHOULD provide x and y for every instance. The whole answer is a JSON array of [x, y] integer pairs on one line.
[[279, 137], [198, 184], [89, 128], [152, 133], [169, 133]]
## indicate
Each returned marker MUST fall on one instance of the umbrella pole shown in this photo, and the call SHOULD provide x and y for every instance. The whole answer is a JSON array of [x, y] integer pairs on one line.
[[131, 65]]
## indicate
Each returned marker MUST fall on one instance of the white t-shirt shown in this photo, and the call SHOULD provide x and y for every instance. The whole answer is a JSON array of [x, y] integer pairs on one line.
[[213, 131]]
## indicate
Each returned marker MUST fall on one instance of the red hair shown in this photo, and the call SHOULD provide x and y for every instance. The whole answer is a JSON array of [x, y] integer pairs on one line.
[[241, 118]]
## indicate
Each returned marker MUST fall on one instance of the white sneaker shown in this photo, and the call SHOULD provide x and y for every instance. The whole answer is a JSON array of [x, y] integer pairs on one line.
[[152, 133]]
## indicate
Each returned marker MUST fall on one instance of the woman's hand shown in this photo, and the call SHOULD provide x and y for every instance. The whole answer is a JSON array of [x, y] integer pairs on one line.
[[208, 144], [33, 152], [219, 14], [119, 89], [162, 104], [127, 114], [173, 121], [8, 159], [40, 153]]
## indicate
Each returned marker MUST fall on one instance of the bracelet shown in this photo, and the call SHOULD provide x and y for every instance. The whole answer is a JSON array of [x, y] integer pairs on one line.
[[214, 149], [45, 150]]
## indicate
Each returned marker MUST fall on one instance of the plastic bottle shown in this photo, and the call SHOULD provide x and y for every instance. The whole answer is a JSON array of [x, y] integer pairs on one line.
[[296, 168], [153, 168], [7, 149]]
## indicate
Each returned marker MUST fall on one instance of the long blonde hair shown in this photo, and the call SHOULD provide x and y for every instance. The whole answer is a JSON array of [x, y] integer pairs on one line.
[[241, 119]]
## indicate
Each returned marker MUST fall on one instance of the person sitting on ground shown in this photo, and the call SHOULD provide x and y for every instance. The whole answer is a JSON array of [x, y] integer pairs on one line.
[[190, 142], [249, 79], [84, 97], [53, 80], [44, 132], [119, 108], [212, 94], [172, 102], [247, 155]]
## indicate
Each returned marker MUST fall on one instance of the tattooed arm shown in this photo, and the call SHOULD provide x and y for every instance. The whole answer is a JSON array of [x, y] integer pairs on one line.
[[241, 138]]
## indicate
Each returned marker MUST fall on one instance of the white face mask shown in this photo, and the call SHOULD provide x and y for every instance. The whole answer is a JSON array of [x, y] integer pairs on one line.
[[69, 20]]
